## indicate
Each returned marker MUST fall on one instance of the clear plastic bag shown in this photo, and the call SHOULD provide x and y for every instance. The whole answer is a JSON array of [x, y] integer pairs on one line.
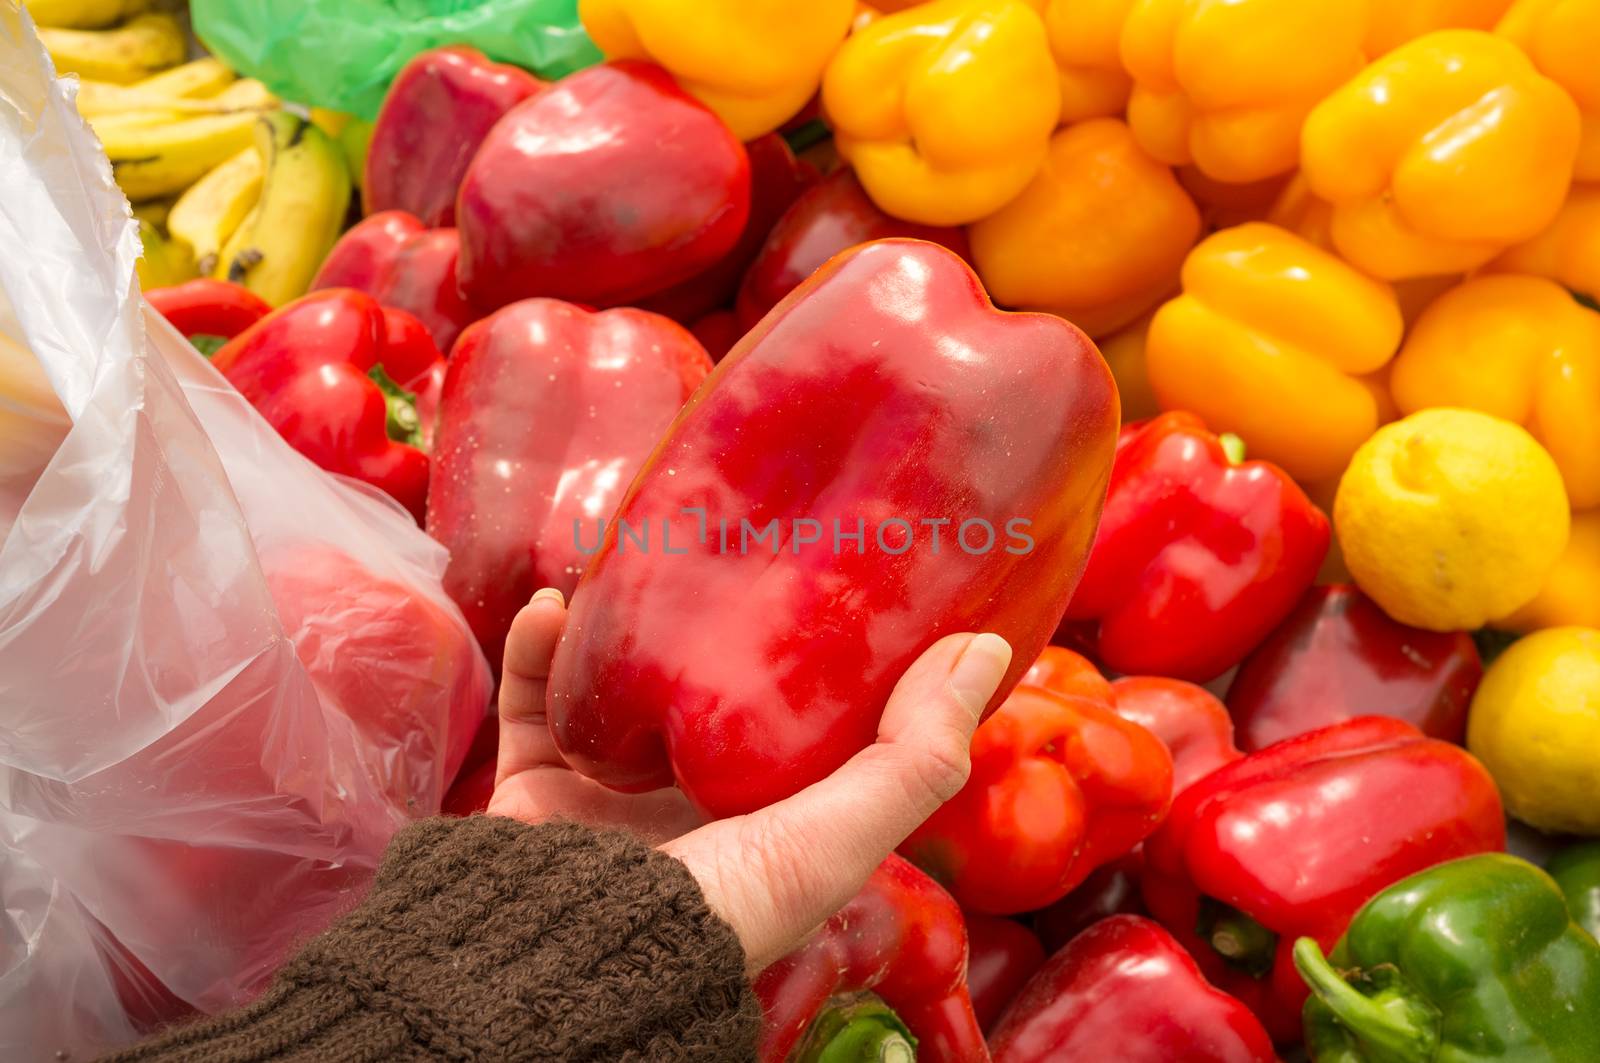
[[226, 677]]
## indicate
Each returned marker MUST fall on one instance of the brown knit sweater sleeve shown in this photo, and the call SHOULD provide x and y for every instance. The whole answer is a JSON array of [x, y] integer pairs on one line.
[[485, 938]]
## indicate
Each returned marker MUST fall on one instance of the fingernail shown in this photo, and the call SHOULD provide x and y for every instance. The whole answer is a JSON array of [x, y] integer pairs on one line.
[[978, 672], [548, 592]]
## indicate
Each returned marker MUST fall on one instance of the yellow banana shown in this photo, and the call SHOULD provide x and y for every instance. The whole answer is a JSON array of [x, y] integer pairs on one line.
[[198, 77], [304, 196], [154, 211], [129, 53], [164, 262], [237, 243], [83, 14], [128, 108], [160, 159], [215, 206]]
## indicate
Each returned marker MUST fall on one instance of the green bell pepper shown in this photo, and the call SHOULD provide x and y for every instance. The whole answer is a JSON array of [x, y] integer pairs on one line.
[[1473, 960], [1576, 870]]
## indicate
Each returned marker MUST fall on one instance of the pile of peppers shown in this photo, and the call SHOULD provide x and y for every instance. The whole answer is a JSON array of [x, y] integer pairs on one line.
[[789, 339]]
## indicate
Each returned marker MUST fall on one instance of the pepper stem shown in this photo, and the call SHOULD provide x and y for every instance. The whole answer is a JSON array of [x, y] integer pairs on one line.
[[858, 1029], [1233, 447], [1394, 1026], [404, 425], [1237, 938]]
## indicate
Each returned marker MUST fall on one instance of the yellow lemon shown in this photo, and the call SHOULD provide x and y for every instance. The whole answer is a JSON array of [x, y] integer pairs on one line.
[[1451, 518], [1535, 724]]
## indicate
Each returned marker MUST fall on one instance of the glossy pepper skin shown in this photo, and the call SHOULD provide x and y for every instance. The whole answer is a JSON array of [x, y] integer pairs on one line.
[[1474, 959], [1568, 250], [1086, 40], [833, 215], [1576, 870], [312, 369], [1441, 154], [401, 263], [1519, 348], [1002, 955], [945, 109], [1559, 36], [808, 422], [610, 185], [438, 111], [208, 308], [1338, 656], [1125, 990], [902, 938], [755, 63], [1197, 557], [548, 410], [1290, 841], [1059, 786], [1226, 86], [1271, 339], [1098, 236]]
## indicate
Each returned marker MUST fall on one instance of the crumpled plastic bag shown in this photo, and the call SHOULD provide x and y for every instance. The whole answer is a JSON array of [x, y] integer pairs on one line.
[[226, 677], [342, 54]]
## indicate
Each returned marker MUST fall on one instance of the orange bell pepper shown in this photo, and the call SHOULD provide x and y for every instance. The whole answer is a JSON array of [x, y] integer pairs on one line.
[[1562, 37], [1226, 86], [1124, 353], [1568, 252], [1571, 593], [1441, 154], [1086, 40], [1270, 340], [1392, 24], [1098, 236], [1519, 348]]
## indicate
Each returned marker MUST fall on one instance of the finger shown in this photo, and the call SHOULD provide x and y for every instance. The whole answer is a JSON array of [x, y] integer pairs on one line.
[[814, 850], [525, 740]]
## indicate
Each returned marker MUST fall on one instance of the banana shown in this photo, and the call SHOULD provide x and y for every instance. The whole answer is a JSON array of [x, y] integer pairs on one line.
[[215, 206], [199, 77], [131, 110], [154, 211], [129, 53], [157, 153], [83, 14], [304, 197], [164, 262]]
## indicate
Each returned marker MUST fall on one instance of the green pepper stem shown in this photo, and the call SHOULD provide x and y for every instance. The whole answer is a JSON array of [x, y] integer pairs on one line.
[[403, 425], [858, 1029], [1233, 447], [1396, 1029], [1241, 941]]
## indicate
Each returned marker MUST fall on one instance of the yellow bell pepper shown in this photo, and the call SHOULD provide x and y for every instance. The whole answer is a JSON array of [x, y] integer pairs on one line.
[[1571, 594], [1568, 252], [1520, 348], [1394, 23], [1563, 39], [754, 62], [1270, 340], [1085, 38], [1441, 154], [1223, 204], [1124, 354], [1097, 237], [1226, 86], [945, 109]]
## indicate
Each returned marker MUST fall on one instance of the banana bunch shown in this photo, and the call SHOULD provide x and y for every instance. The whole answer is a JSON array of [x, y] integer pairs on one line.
[[144, 45]]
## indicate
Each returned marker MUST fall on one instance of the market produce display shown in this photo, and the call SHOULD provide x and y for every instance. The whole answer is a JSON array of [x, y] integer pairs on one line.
[[1238, 363]]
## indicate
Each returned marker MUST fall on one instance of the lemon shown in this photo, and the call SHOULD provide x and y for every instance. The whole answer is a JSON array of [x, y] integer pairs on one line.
[[1451, 518], [1535, 724]]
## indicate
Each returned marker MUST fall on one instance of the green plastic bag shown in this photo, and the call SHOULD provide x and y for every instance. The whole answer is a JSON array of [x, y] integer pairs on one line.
[[342, 54]]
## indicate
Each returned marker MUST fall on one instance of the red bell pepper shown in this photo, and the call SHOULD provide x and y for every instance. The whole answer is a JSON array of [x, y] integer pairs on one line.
[[438, 111], [1292, 840], [832, 216], [611, 185], [209, 312], [351, 385], [776, 179], [1338, 655], [1059, 786], [717, 332], [1124, 990], [1002, 955], [1113, 889], [1189, 720], [887, 403], [548, 411], [403, 265], [1198, 556], [901, 937], [474, 783]]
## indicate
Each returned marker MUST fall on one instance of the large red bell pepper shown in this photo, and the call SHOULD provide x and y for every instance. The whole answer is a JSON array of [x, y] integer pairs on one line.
[[1198, 556], [611, 185], [902, 938], [350, 384], [1189, 720], [888, 403], [1290, 841], [208, 312], [832, 216], [1124, 990], [438, 111], [1002, 955], [548, 411], [1338, 655], [1059, 786], [396, 260]]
